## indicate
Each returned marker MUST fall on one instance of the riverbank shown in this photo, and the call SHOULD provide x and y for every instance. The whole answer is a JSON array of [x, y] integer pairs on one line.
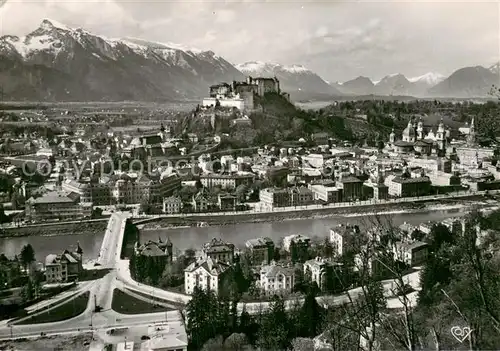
[[55, 229], [352, 211]]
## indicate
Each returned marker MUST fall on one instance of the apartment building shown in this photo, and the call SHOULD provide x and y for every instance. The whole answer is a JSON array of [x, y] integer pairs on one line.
[[207, 274], [344, 238], [276, 278], [218, 250], [226, 202], [300, 196], [318, 269], [273, 197], [413, 253], [64, 267], [82, 189], [408, 187], [226, 181], [298, 239], [276, 197], [57, 206], [172, 204], [328, 194], [261, 249], [352, 188]]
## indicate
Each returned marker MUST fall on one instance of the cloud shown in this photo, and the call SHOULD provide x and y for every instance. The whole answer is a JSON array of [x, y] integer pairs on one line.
[[104, 15], [224, 16]]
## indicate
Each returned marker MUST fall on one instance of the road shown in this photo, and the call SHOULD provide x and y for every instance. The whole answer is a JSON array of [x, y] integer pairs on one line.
[[260, 208]]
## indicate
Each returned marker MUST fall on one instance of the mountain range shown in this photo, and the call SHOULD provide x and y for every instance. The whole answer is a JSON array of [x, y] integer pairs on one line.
[[297, 80], [58, 63]]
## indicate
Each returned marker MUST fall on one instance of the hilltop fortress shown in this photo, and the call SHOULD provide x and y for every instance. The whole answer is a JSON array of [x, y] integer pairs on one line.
[[241, 94]]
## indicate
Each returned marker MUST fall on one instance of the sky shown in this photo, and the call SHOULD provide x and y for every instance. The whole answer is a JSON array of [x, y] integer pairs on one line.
[[339, 40]]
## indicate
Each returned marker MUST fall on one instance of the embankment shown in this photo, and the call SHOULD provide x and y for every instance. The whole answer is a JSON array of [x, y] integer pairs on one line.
[[59, 228], [255, 217]]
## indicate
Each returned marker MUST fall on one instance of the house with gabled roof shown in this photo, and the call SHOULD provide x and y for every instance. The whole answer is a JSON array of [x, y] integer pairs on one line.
[[207, 274], [64, 267], [276, 278]]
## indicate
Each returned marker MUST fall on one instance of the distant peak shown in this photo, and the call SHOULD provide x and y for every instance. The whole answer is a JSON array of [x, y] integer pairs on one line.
[[430, 78], [296, 68], [259, 66], [50, 23], [362, 78], [495, 68], [163, 45], [393, 75]]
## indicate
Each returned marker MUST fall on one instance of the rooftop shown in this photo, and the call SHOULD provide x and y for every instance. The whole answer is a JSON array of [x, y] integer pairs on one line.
[[53, 197], [256, 242], [403, 180], [211, 266]]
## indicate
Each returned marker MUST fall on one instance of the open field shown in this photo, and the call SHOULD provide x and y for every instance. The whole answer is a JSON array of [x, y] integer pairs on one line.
[[126, 304], [66, 311]]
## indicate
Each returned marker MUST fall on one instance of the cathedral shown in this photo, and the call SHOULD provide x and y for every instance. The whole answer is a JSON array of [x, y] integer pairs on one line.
[[416, 140]]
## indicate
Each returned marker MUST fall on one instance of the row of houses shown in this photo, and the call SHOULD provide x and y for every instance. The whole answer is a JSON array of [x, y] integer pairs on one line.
[[125, 189]]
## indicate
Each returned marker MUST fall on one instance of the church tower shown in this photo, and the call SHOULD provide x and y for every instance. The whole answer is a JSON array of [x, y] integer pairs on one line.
[[471, 138], [440, 136], [420, 129], [392, 137]]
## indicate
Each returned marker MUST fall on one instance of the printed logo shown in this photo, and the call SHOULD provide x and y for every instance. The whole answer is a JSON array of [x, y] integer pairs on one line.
[[461, 333]]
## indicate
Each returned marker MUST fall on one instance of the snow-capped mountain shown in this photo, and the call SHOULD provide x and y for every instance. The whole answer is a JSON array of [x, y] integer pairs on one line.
[[430, 78], [423, 83], [495, 68], [464, 83], [297, 80], [56, 62]]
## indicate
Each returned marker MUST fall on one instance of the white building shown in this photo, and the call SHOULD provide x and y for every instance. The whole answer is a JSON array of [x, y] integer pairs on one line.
[[172, 204], [275, 278], [207, 274], [325, 193], [343, 237], [412, 253]]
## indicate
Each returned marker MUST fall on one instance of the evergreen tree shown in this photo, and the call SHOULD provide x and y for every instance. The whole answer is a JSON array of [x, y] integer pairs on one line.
[[202, 317], [311, 315], [27, 256], [294, 254], [27, 292], [273, 333]]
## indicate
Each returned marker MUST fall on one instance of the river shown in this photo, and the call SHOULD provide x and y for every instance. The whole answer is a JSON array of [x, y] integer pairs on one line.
[[184, 238]]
